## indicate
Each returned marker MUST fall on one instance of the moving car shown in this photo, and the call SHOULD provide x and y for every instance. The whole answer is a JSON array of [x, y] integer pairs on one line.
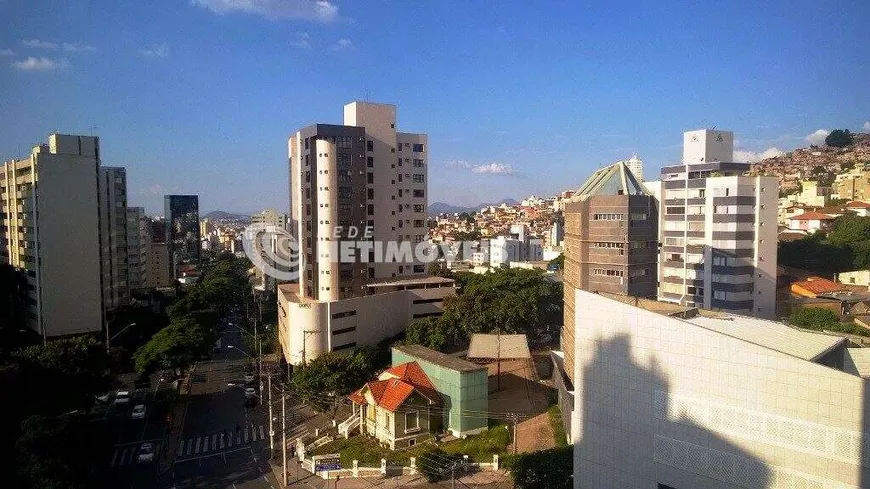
[[122, 397], [138, 412], [146, 453]]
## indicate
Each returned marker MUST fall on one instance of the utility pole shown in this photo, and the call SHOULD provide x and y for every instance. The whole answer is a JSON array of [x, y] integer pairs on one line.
[[284, 434], [271, 427]]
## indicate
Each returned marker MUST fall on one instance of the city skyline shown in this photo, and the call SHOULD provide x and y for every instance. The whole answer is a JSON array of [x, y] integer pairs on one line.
[[191, 110]]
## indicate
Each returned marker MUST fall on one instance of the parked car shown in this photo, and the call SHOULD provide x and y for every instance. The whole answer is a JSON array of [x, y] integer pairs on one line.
[[138, 412], [249, 377], [250, 392], [146, 453], [122, 397], [103, 398]]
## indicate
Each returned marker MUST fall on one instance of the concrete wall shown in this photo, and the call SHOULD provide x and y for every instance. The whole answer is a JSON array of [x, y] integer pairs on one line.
[[662, 401]]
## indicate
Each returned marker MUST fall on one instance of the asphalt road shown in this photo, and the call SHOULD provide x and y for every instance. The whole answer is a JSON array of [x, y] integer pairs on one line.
[[223, 444]]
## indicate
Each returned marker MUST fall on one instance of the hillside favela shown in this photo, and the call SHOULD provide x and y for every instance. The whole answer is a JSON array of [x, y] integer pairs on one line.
[[317, 244]]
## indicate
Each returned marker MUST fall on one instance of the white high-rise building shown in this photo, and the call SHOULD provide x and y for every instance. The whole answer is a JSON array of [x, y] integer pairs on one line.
[[49, 229], [635, 165], [718, 229], [361, 181]]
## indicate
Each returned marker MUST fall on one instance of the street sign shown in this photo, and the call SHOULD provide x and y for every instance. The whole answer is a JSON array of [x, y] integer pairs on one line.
[[323, 463]]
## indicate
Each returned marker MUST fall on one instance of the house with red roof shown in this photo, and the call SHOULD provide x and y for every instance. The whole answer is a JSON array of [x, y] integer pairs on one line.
[[399, 408], [811, 221], [859, 207]]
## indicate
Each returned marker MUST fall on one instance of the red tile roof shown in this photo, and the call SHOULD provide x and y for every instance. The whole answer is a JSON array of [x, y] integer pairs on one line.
[[819, 285], [857, 204], [811, 216], [402, 380]]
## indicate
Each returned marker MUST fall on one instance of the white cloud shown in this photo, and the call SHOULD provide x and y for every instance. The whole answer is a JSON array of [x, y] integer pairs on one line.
[[319, 10], [78, 48], [342, 45], [817, 138], [744, 156], [155, 189], [494, 169], [7, 52], [302, 40], [160, 51], [40, 64], [462, 164], [866, 126], [37, 44]]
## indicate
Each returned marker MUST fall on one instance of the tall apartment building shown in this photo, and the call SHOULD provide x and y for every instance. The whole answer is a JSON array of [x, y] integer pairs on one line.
[[718, 230], [138, 231], [635, 164], [182, 231], [50, 229], [611, 245], [113, 237], [345, 179]]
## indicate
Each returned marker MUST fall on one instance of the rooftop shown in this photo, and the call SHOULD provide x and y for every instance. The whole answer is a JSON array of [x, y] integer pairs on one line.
[[812, 216], [423, 280], [438, 358], [819, 285], [499, 346], [769, 334], [615, 179]]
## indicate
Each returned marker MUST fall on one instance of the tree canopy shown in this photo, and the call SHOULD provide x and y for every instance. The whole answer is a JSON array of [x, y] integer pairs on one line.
[[332, 376], [839, 138], [846, 247], [551, 468]]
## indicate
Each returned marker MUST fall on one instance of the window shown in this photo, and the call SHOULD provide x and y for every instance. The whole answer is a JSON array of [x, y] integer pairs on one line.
[[419, 178], [343, 330], [343, 142], [345, 192], [370, 145], [370, 209], [306, 143], [419, 193], [607, 244], [370, 162], [419, 268], [606, 272], [639, 216], [608, 217], [370, 193], [638, 272], [418, 148], [344, 347], [720, 294], [418, 223], [344, 176], [418, 163], [418, 207], [412, 421], [675, 210], [370, 177]]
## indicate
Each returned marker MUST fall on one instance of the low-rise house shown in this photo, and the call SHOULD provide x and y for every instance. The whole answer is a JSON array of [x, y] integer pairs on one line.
[[817, 286], [858, 207], [857, 277], [397, 409], [811, 221]]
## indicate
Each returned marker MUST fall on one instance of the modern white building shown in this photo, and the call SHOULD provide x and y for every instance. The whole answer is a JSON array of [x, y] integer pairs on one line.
[[51, 199], [361, 181], [857, 277], [503, 250], [718, 229], [635, 165], [669, 396]]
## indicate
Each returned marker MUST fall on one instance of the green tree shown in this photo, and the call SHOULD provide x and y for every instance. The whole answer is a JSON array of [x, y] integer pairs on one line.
[[559, 261], [430, 332], [324, 381], [439, 269], [839, 138], [174, 347], [853, 232], [551, 468], [59, 453], [814, 318]]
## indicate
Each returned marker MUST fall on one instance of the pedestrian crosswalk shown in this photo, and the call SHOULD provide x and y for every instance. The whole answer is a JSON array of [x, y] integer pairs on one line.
[[127, 455], [219, 441]]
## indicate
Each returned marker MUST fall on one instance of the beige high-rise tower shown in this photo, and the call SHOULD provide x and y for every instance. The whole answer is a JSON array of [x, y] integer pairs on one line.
[[50, 229], [361, 181]]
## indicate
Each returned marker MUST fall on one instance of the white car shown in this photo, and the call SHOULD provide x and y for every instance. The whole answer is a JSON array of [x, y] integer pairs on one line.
[[103, 399], [138, 412], [122, 397], [249, 377], [146, 453], [250, 392]]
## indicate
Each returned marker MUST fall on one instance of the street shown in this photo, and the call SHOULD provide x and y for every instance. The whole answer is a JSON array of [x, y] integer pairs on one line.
[[222, 443]]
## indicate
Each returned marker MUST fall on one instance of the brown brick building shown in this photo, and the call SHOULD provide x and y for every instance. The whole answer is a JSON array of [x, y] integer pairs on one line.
[[611, 243]]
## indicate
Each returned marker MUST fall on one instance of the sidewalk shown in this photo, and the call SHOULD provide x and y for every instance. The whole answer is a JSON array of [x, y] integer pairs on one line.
[[307, 480], [179, 411]]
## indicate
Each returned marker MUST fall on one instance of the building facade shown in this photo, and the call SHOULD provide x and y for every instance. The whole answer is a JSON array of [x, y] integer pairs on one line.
[[670, 396], [50, 229], [182, 231], [361, 181], [138, 233], [611, 244], [718, 229], [113, 237]]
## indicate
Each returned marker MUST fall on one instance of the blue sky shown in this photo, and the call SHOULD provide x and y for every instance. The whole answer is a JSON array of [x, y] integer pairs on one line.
[[517, 97]]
